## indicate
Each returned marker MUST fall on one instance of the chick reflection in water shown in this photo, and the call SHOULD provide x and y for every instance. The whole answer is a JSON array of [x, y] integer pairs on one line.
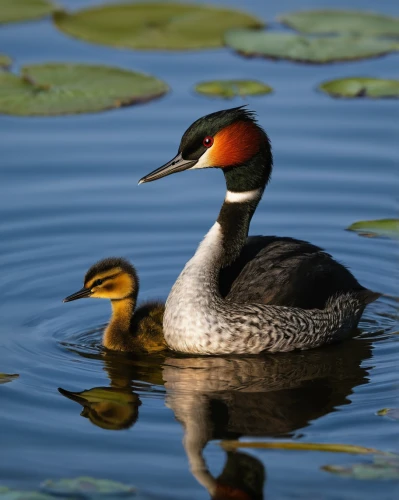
[[107, 407], [129, 330], [263, 396], [116, 407]]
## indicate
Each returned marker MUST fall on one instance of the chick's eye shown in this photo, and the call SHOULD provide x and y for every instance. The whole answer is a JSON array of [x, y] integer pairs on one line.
[[208, 141], [98, 282]]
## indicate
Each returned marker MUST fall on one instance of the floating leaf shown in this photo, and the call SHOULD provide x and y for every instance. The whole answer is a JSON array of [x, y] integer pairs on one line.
[[87, 487], [10, 494], [24, 10], [392, 413], [288, 445], [361, 87], [381, 227], [227, 89], [341, 21], [7, 377], [58, 89], [306, 49], [381, 468], [156, 26], [5, 61]]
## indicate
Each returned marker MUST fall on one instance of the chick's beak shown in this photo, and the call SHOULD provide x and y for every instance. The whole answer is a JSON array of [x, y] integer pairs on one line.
[[178, 164], [81, 294]]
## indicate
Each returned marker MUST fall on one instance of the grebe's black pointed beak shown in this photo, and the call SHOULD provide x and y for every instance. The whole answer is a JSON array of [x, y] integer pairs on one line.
[[81, 294], [178, 164]]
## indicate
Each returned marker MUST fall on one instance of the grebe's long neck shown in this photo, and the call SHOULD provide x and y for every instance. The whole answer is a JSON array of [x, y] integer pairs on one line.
[[234, 220]]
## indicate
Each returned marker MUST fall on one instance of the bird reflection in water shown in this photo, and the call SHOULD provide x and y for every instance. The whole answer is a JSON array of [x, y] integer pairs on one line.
[[221, 398]]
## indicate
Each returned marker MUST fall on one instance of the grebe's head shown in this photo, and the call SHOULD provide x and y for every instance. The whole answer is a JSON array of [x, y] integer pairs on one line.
[[113, 278], [228, 139]]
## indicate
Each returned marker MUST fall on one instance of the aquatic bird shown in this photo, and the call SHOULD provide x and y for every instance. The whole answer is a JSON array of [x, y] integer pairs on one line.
[[129, 329], [239, 295]]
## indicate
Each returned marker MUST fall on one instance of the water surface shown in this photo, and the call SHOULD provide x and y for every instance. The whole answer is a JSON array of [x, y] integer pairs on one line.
[[69, 197]]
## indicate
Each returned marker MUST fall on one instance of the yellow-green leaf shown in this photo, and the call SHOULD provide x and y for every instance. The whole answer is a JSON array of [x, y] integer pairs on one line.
[[361, 87], [392, 413], [5, 61], [59, 89], [341, 21], [154, 26], [24, 10], [317, 50], [381, 227], [227, 89], [7, 377], [288, 445]]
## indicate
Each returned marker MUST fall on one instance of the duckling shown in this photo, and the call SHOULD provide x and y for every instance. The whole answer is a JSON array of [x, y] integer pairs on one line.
[[129, 329]]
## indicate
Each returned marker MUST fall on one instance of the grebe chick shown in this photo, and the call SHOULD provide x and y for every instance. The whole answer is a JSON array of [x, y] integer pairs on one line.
[[129, 329], [239, 295]]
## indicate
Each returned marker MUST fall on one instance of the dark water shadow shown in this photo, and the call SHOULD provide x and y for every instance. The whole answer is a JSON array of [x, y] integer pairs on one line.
[[229, 398]]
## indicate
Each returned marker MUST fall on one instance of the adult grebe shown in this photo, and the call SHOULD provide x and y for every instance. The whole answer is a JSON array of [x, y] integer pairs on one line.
[[262, 294], [129, 329]]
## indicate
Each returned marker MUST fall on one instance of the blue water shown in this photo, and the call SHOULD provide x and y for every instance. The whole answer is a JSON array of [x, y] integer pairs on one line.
[[69, 197]]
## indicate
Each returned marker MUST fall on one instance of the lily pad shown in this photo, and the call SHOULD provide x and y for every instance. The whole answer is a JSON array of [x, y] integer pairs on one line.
[[289, 445], [341, 21], [24, 10], [382, 227], [10, 494], [392, 413], [380, 468], [87, 488], [300, 48], [59, 89], [7, 377], [227, 89], [361, 87], [154, 26], [5, 61]]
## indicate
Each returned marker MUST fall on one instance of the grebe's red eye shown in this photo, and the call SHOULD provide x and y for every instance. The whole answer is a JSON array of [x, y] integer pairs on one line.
[[208, 141]]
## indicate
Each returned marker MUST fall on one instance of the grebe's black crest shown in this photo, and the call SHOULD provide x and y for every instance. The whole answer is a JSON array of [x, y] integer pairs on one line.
[[191, 145]]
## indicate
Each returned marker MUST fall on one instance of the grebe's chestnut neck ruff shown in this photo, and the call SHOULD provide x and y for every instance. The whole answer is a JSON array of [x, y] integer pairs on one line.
[[247, 295], [129, 329]]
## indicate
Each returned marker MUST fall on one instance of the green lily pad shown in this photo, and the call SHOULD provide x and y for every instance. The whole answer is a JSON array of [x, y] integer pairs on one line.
[[87, 488], [299, 48], [227, 89], [5, 61], [382, 227], [341, 21], [59, 89], [361, 87], [392, 413], [380, 468], [7, 377], [154, 26], [10, 494], [24, 10]]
